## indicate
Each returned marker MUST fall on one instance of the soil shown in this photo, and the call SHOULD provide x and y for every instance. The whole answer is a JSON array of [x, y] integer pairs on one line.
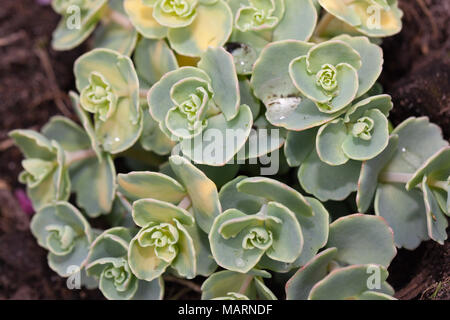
[[33, 82]]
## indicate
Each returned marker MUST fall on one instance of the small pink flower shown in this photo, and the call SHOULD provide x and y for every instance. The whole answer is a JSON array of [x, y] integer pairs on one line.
[[24, 201]]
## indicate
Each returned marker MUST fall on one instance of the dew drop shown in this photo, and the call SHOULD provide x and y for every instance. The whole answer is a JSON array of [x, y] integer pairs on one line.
[[403, 149], [116, 139]]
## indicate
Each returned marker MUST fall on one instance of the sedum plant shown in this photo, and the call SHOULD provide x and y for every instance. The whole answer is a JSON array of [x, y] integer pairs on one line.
[[182, 104]]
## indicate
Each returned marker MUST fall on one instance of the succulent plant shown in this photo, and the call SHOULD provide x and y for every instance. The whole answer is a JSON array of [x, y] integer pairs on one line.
[[191, 26], [183, 103], [62, 230], [190, 100], [108, 262]]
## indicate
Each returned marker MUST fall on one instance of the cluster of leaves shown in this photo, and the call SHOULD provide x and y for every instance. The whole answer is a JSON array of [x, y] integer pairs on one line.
[[198, 66]]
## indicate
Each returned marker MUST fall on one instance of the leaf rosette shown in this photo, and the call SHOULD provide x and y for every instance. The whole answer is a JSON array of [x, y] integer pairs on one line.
[[328, 75], [409, 183], [62, 230], [360, 248], [191, 26], [108, 262], [45, 173], [190, 103], [174, 219], [361, 134], [68, 34], [259, 22], [373, 18], [268, 224], [109, 90], [314, 84]]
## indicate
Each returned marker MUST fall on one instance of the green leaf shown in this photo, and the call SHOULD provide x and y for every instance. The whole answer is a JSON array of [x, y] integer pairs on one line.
[[67, 34], [287, 234], [418, 141], [299, 145], [404, 212], [332, 52], [115, 37], [314, 176], [94, 182], [436, 220], [330, 139], [124, 125], [140, 185], [314, 230], [185, 262], [361, 16], [298, 22], [362, 239], [270, 80], [62, 216], [273, 190], [141, 16], [359, 149], [219, 65], [299, 286], [437, 167], [159, 98], [153, 138], [220, 140], [202, 191], [231, 198], [33, 144], [221, 283], [347, 283], [146, 211], [153, 59], [229, 252], [371, 58], [67, 133], [211, 28], [370, 170]]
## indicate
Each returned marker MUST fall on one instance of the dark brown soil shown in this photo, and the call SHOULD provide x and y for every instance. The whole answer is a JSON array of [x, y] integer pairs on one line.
[[33, 82]]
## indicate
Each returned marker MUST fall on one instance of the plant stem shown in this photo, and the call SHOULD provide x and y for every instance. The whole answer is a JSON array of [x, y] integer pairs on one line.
[[76, 156], [391, 177], [323, 24], [185, 203]]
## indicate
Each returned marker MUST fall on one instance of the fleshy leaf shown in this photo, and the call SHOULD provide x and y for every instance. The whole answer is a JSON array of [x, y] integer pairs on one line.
[[67, 133], [315, 178], [153, 59], [299, 286], [362, 239], [347, 283], [436, 220], [141, 17], [219, 65], [230, 198], [370, 170], [298, 22], [273, 190], [146, 211], [94, 182], [221, 283], [140, 185], [220, 140], [230, 253], [329, 143], [202, 191], [211, 28], [404, 212]]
